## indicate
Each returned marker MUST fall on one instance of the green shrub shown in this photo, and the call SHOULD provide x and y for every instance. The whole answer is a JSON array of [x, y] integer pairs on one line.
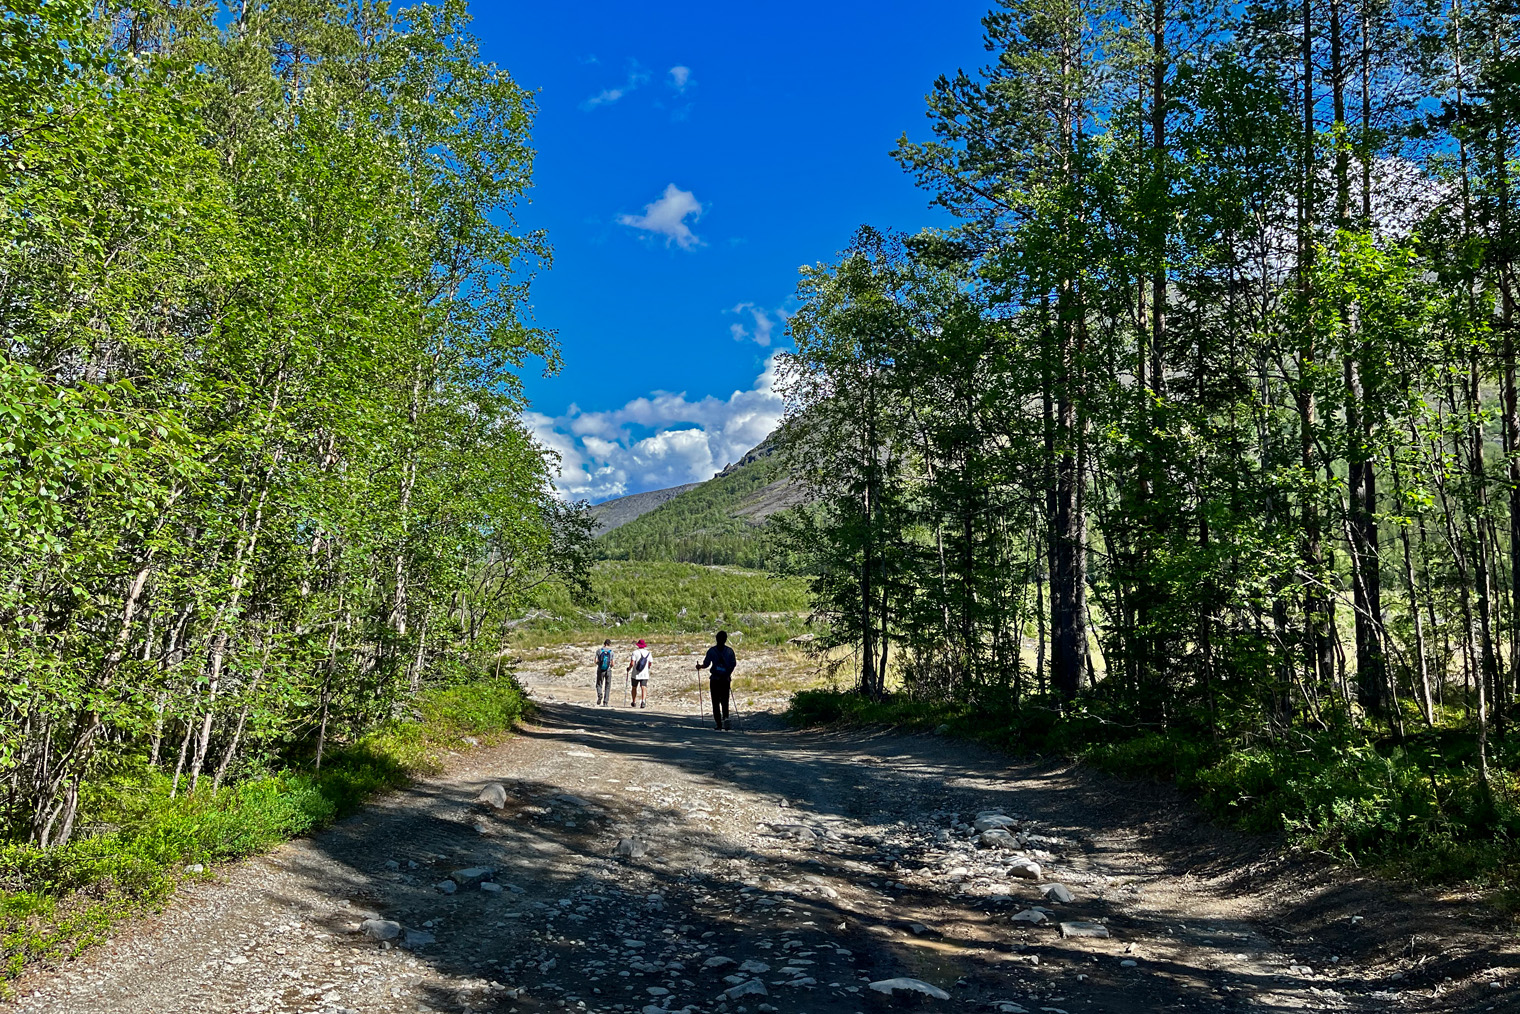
[[54, 902]]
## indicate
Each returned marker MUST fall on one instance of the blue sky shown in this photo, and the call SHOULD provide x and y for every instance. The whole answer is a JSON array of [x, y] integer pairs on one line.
[[691, 157]]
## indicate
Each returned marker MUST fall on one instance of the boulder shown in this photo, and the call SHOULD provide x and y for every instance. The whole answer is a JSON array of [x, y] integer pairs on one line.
[[753, 987], [910, 986], [380, 929], [1058, 893], [1093, 930], [998, 838], [996, 820], [1025, 869], [472, 875]]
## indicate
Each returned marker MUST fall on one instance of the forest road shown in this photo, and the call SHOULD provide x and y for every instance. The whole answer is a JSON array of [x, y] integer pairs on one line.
[[785, 871]]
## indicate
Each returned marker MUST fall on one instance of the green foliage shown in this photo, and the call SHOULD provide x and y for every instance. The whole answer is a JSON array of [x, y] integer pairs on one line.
[[1193, 447], [260, 417], [56, 901]]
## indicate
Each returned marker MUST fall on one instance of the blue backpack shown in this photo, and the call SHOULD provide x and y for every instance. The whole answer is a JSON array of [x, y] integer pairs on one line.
[[603, 659]]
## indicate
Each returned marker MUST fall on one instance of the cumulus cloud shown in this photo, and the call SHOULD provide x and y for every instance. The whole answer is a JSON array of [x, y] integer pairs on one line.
[[607, 96], [657, 441], [667, 217], [679, 77], [761, 324]]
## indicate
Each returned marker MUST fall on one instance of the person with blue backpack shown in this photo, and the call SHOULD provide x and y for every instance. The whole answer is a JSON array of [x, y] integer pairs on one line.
[[604, 673]]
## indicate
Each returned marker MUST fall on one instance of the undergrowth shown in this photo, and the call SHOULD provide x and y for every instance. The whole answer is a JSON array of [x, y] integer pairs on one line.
[[140, 843], [1415, 809]]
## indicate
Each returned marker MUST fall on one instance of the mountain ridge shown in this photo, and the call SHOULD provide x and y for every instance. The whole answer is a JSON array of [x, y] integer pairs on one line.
[[722, 520]]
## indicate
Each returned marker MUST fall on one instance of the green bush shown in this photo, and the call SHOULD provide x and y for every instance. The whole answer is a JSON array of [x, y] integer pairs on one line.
[[55, 902]]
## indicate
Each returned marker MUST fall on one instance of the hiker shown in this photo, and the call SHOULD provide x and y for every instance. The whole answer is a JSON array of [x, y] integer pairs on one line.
[[604, 673], [721, 657], [639, 664]]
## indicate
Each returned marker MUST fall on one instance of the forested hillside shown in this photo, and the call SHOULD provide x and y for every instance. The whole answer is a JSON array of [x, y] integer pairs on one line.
[[262, 308], [1201, 429], [725, 520]]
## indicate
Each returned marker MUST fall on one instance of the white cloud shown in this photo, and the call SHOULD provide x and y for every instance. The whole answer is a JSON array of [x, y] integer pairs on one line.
[[667, 217], [607, 96], [679, 76], [600, 457], [603, 97], [762, 324]]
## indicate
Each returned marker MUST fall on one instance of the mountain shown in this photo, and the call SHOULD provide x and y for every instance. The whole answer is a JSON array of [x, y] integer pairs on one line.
[[612, 514], [720, 521]]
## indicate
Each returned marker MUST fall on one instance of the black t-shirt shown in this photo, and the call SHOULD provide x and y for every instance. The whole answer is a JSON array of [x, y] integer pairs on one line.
[[721, 658]]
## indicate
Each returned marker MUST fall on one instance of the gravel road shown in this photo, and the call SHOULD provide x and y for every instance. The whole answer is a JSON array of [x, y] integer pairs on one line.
[[776, 870]]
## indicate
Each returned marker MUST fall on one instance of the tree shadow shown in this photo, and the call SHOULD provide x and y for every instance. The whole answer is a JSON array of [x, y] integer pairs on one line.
[[747, 894]]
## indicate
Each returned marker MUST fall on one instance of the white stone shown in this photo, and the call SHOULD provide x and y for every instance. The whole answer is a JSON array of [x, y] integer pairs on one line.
[[718, 961], [1025, 869], [890, 986], [494, 795], [754, 967], [447, 886], [471, 876], [1030, 915], [995, 821], [1094, 930], [754, 987], [490, 887]]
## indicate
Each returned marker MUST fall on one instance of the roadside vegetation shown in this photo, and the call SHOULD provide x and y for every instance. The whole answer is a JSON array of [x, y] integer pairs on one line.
[[266, 496], [143, 840]]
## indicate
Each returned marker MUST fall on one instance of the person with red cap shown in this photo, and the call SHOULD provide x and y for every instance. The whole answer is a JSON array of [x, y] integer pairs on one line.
[[639, 664]]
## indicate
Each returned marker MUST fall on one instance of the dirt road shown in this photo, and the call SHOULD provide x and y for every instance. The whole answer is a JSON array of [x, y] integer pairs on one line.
[[776, 870]]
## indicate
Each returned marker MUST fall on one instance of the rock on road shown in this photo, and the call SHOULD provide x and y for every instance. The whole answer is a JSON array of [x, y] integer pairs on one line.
[[642, 862]]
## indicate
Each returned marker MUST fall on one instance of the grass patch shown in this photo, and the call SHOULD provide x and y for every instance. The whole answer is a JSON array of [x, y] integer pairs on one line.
[[1415, 810], [635, 598], [54, 903]]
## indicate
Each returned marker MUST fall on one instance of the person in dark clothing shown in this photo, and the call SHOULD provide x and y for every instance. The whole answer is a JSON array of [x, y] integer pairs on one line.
[[722, 660]]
